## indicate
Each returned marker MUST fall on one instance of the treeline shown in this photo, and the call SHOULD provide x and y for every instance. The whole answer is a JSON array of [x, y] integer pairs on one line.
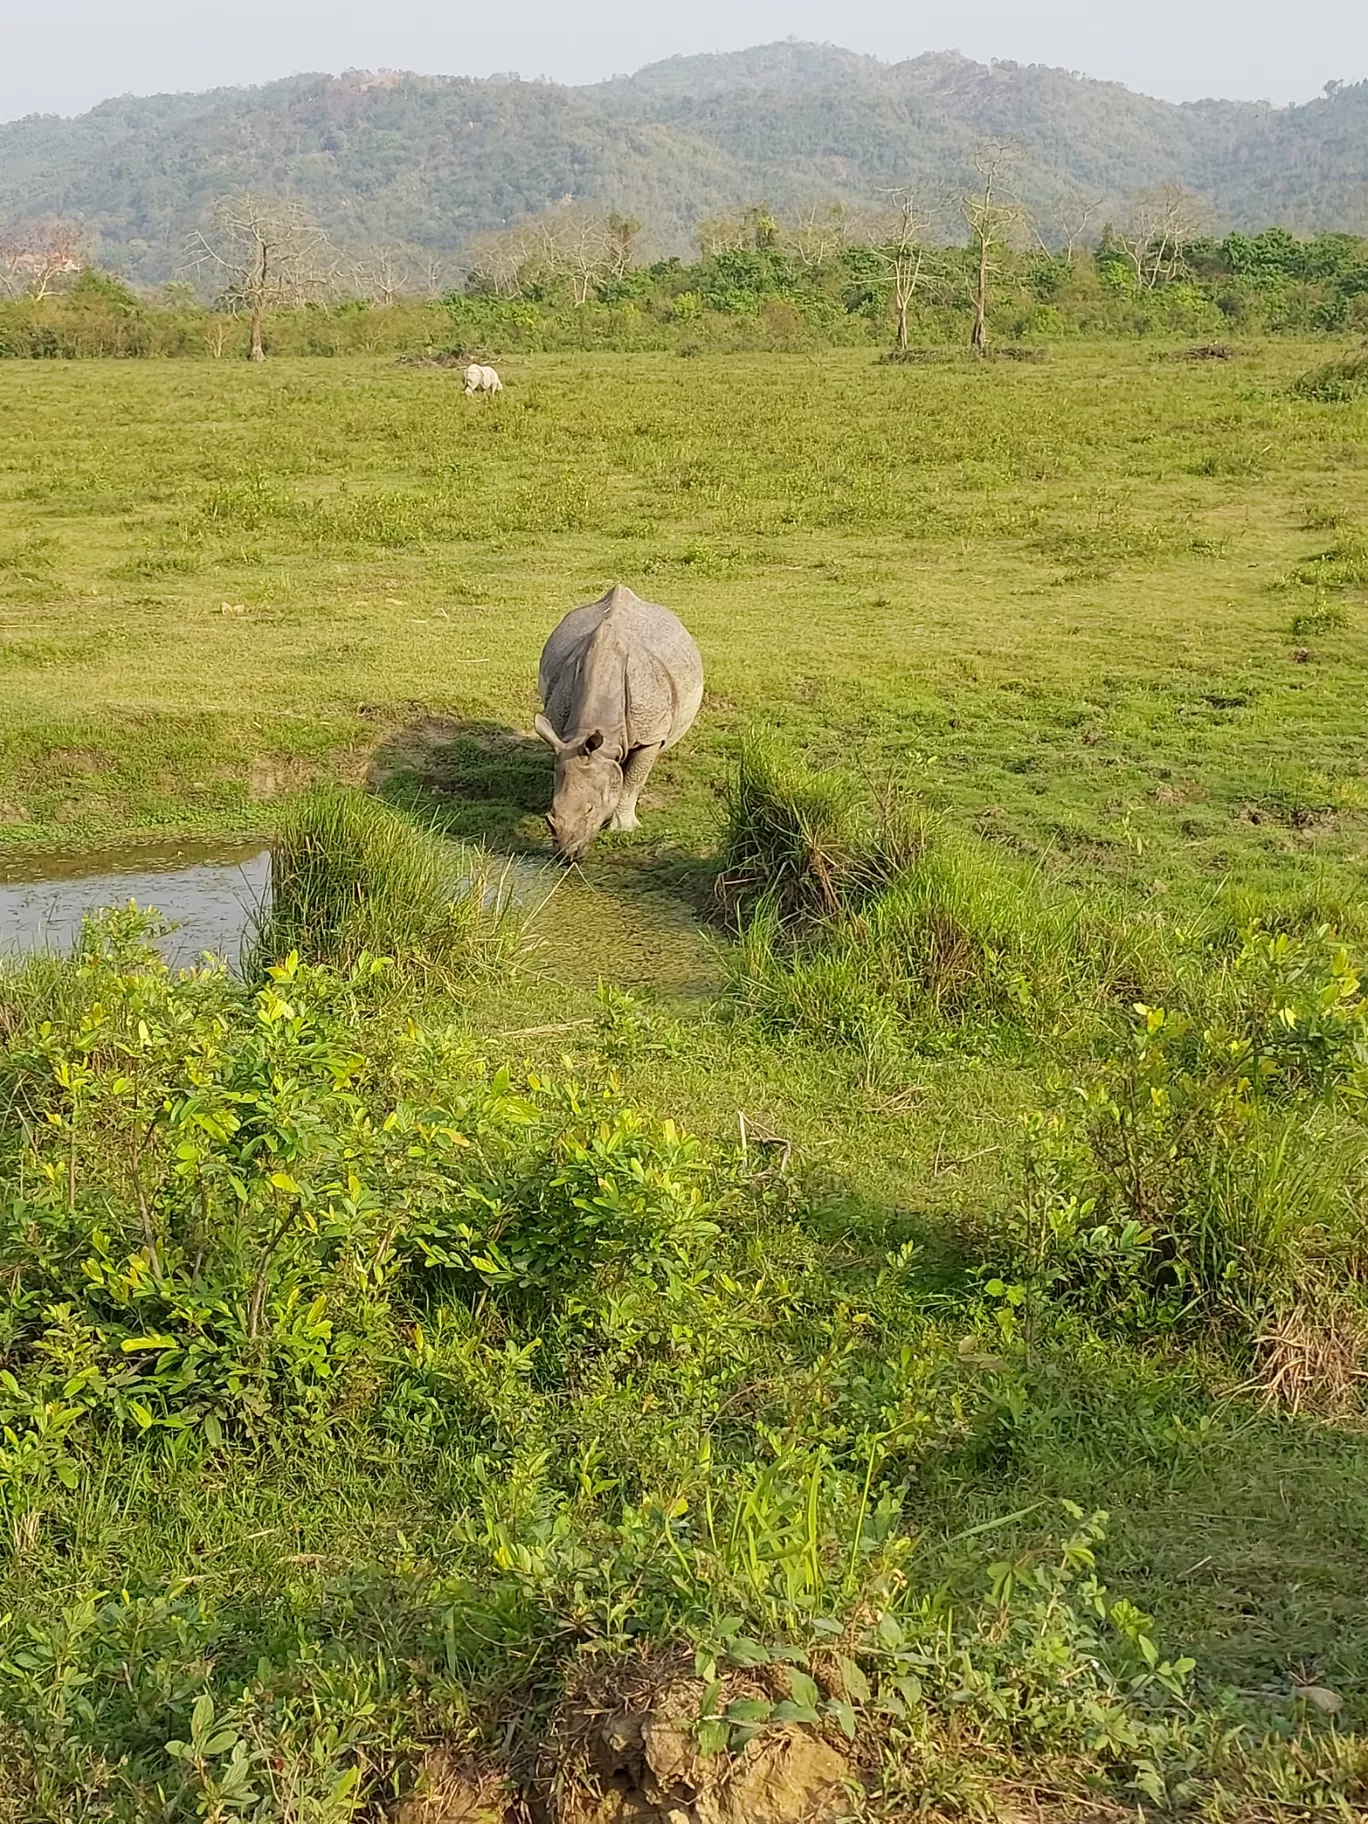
[[570, 281]]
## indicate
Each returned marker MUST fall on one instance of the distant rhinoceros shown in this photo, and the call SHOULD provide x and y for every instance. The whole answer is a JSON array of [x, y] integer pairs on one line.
[[621, 679]]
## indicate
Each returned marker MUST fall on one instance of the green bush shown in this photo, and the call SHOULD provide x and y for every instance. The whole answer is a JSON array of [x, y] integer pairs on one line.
[[1207, 1177]]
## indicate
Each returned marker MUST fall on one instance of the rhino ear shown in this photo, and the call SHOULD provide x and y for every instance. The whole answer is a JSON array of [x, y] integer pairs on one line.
[[592, 743], [548, 734]]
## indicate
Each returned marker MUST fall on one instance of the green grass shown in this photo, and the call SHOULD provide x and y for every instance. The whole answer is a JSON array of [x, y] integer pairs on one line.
[[1018, 585], [1095, 626], [350, 877]]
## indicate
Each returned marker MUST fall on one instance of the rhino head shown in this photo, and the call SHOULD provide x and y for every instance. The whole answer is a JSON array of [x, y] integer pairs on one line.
[[588, 787]]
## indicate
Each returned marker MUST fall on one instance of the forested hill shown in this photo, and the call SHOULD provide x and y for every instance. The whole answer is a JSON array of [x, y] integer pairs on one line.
[[431, 161]]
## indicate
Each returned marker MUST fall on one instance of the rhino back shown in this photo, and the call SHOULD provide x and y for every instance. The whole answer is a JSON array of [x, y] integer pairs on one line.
[[626, 666]]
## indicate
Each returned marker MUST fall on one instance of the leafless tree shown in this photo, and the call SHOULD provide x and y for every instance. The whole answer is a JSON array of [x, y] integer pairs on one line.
[[498, 261], [438, 277], [570, 241], [1157, 227], [264, 255], [622, 232], [824, 231], [901, 241], [1074, 216], [383, 274], [722, 234], [994, 219], [35, 258]]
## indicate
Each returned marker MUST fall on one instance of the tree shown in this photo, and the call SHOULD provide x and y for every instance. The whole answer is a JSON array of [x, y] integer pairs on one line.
[[993, 219], [567, 242], [33, 259], [823, 231], [756, 230], [622, 233], [1158, 225], [901, 245], [266, 255], [382, 275], [1072, 219]]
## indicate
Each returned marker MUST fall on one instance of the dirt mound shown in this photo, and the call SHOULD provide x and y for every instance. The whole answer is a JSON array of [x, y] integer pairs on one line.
[[637, 1761], [451, 1790]]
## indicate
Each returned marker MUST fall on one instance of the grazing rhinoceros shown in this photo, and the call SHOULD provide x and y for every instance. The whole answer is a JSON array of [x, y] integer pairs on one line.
[[621, 679], [480, 379]]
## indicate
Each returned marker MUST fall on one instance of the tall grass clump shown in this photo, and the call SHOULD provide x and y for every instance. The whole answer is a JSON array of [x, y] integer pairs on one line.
[[802, 844], [869, 925], [350, 875], [1335, 382]]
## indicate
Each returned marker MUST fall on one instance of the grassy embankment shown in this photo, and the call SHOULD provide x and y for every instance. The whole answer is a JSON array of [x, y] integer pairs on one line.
[[1099, 621]]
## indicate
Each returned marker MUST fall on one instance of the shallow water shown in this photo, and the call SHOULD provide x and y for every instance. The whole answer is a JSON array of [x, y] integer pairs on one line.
[[581, 928], [590, 926], [210, 891]]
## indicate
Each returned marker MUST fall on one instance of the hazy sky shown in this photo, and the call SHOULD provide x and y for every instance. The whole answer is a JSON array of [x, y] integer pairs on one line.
[[62, 56]]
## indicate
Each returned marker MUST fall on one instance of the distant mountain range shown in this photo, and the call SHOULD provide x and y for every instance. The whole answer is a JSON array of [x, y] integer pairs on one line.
[[430, 161]]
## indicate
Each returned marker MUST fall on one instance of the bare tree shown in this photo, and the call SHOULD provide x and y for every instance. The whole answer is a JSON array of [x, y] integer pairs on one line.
[[1073, 218], [901, 243], [578, 243], [994, 219], [265, 255], [1158, 226], [33, 259], [437, 276], [722, 234], [382, 274], [823, 232], [622, 234], [569, 241], [498, 260]]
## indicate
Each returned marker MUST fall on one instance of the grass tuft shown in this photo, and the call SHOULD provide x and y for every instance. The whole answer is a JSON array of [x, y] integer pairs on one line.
[[351, 875], [1334, 382]]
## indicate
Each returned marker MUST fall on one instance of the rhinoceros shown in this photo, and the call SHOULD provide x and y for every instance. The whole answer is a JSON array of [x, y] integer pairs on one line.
[[620, 680]]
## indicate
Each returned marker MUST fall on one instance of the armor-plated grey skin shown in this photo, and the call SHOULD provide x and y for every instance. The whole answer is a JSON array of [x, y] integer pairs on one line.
[[621, 680]]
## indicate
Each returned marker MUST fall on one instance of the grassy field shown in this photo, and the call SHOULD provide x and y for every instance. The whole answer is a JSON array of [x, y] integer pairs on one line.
[[1098, 624]]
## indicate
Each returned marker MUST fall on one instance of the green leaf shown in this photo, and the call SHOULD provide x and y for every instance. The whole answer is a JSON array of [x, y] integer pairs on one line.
[[844, 1715], [854, 1680], [790, 1712], [213, 1431], [749, 1710], [746, 1652], [803, 1689], [201, 1718]]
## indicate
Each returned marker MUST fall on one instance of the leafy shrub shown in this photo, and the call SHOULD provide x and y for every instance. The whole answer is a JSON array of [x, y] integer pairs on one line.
[[221, 1199], [1188, 1183]]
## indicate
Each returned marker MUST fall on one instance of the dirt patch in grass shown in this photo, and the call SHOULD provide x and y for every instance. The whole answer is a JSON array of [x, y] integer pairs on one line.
[[627, 1752]]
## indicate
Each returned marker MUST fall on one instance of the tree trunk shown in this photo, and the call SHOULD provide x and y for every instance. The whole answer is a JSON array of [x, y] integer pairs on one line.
[[259, 295], [978, 340]]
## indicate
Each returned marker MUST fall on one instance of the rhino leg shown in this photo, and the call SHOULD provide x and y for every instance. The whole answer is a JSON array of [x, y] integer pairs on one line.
[[634, 776]]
